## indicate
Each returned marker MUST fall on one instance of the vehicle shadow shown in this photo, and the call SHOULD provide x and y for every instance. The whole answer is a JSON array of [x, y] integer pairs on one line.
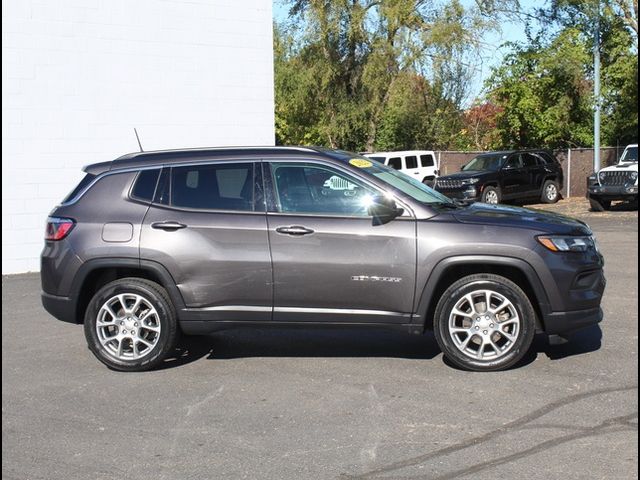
[[297, 342], [284, 342]]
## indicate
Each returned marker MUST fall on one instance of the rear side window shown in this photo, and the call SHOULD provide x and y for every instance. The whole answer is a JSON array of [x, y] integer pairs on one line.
[[213, 187], [427, 160], [395, 162], [84, 183], [529, 160], [145, 185], [411, 161]]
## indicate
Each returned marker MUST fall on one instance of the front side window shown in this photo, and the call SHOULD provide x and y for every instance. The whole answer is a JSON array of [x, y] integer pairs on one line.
[[515, 162], [309, 188], [227, 186], [396, 163]]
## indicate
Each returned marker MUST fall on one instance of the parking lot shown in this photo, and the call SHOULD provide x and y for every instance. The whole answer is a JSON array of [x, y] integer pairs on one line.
[[326, 404]]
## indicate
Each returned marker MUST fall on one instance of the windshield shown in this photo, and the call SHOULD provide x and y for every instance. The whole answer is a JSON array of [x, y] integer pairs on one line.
[[400, 181], [485, 162], [630, 155]]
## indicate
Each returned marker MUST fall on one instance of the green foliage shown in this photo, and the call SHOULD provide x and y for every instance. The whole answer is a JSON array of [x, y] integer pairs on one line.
[[369, 75], [545, 88]]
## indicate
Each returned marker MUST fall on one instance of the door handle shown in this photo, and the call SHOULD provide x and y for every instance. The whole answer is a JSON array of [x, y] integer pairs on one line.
[[295, 230], [168, 226]]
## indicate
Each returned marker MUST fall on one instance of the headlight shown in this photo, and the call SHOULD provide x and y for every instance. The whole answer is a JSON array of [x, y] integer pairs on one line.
[[634, 176], [567, 243], [602, 175], [470, 181]]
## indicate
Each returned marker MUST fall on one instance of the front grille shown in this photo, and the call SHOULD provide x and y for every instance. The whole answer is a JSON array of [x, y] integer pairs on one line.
[[448, 184], [612, 179]]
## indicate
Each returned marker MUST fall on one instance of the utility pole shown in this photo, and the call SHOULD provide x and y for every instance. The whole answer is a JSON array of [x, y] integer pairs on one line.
[[596, 91]]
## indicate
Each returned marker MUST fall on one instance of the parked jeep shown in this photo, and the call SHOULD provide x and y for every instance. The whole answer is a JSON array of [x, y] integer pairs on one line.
[[617, 182], [157, 243], [419, 164], [501, 176]]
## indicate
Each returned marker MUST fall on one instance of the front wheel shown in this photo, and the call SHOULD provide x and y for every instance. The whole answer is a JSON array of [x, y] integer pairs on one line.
[[131, 325], [599, 204], [491, 195], [484, 322]]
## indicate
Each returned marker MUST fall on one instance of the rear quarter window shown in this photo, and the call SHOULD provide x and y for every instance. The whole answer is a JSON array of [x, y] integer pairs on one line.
[[145, 185], [84, 183]]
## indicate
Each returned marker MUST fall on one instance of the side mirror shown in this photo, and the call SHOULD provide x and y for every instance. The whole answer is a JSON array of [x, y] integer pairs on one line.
[[383, 210]]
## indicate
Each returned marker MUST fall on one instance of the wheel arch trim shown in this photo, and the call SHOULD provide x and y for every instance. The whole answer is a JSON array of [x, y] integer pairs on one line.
[[426, 302]]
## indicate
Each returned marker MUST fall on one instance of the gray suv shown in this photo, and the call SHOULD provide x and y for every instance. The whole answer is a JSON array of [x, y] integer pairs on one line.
[[155, 244]]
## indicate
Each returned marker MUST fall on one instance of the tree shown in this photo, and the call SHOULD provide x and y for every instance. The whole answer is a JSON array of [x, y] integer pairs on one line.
[[545, 86], [365, 74]]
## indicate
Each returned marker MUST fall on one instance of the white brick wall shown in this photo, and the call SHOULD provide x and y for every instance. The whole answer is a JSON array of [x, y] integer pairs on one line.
[[78, 75]]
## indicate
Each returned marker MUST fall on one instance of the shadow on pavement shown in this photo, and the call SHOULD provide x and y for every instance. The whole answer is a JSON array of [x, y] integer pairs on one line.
[[280, 342]]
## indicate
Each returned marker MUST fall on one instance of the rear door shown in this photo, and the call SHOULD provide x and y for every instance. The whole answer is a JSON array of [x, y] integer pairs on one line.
[[330, 263], [412, 167], [515, 178], [208, 227], [535, 172]]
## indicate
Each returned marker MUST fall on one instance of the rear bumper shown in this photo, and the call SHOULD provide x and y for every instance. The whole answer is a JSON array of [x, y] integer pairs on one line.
[[63, 308], [564, 323]]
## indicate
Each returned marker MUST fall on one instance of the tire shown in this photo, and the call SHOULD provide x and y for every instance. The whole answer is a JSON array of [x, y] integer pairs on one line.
[[598, 204], [550, 192], [491, 195], [485, 340], [429, 181], [131, 325]]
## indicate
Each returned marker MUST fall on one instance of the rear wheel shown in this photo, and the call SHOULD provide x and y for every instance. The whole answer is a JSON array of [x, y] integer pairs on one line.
[[550, 192], [131, 325], [484, 322]]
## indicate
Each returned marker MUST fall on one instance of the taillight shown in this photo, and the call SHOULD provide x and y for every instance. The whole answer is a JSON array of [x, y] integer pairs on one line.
[[58, 228]]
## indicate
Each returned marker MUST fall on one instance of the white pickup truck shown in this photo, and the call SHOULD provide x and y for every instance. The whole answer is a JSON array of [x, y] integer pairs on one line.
[[617, 182]]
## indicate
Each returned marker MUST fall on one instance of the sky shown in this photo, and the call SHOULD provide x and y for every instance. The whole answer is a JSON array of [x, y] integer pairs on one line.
[[492, 55]]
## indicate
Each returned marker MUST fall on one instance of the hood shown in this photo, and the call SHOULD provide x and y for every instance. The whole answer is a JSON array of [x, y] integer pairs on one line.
[[632, 166], [465, 174], [503, 215]]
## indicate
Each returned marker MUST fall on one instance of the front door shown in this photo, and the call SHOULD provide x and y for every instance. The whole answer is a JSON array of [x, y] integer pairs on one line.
[[330, 263]]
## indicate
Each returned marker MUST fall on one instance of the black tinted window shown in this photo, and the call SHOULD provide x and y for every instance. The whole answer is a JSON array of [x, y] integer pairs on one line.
[[427, 160], [412, 161], [515, 161], [88, 178], [529, 160], [214, 187], [395, 162], [145, 185]]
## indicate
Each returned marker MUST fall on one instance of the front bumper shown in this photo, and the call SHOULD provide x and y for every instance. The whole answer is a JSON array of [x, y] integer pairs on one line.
[[613, 191], [565, 323], [469, 193]]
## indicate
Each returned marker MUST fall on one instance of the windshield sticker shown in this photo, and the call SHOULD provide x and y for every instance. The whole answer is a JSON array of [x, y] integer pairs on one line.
[[360, 163]]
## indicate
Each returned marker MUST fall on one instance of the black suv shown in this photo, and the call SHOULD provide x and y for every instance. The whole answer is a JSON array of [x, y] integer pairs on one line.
[[523, 175], [157, 243]]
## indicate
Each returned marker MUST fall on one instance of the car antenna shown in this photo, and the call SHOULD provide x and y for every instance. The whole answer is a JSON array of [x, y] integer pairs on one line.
[[138, 138]]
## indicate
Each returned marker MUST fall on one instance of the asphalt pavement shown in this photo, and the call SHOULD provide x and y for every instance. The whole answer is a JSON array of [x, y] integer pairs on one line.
[[325, 404]]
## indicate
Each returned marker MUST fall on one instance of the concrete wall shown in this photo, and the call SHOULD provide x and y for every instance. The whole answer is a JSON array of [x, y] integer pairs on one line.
[[576, 174], [78, 75]]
